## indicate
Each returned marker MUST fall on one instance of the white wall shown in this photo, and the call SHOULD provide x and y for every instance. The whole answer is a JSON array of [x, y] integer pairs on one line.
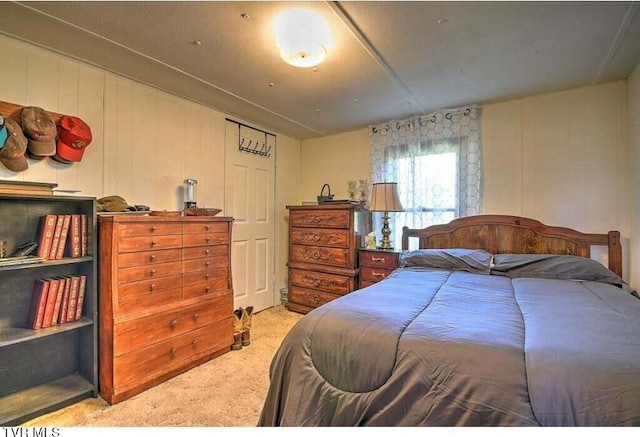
[[562, 158], [145, 141], [633, 98]]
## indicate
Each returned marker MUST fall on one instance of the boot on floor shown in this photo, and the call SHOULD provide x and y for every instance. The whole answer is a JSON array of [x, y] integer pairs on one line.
[[237, 329], [246, 325]]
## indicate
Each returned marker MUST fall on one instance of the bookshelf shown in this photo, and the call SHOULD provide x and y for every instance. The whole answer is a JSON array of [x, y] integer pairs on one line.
[[48, 368]]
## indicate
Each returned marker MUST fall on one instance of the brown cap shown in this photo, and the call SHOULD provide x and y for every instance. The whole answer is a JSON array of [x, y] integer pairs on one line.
[[113, 204], [40, 130], [12, 154]]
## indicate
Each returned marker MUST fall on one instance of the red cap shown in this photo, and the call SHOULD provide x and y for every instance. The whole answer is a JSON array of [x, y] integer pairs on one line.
[[74, 135]]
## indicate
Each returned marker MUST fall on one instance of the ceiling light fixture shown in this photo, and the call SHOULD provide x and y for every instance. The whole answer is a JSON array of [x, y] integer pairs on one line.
[[302, 37]]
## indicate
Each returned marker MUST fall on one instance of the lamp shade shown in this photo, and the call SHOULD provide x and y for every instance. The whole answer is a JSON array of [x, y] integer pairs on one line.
[[302, 37], [385, 197]]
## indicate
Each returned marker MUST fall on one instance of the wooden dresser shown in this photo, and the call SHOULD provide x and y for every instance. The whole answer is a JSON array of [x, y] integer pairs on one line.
[[323, 253], [165, 298]]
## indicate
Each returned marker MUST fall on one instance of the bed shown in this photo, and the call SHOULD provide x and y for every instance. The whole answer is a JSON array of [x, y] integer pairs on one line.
[[493, 321]]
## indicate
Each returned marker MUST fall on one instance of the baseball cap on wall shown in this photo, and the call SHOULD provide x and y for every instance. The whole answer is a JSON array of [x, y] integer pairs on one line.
[[40, 130], [12, 153], [74, 135]]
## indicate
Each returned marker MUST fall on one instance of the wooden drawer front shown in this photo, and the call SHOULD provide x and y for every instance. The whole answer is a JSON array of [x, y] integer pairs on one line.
[[311, 298], [379, 259], [211, 288], [205, 239], [137, 244], [198, 228], [147, 363], [320, 237], [149, 293], [205, 275], [325, 219], [321, 281], [149, 258], [209, 263], [139, 333], [364, 284], [374, 274], [205, 251], [149, 229], [138, 273], [320, 255]]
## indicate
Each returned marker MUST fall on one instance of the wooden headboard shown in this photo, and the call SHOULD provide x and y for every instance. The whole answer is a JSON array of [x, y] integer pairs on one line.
[[511, 234]]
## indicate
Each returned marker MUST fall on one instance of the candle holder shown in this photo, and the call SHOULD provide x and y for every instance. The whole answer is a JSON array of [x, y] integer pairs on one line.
[[190, 193]]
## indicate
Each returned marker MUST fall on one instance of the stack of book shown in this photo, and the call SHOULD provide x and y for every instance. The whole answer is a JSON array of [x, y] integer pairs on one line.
[[63, 235], [56, 300]]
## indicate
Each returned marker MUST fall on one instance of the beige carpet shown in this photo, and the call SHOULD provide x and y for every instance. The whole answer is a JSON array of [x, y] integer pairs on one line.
[[227, 391]]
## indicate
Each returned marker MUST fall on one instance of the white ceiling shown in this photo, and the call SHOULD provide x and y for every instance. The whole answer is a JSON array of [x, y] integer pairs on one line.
[[388, 60]]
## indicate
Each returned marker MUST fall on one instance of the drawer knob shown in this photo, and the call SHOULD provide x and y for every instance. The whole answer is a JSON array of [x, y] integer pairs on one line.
[[316, 237], [173, 351], [378, 260], [152, 272], [207, 239], [207, 252], [208, 289], [152, 258], [208, 263], [195, 342], [316, 255], [315, 299], [207, 276], [152, 287], [196, 316], [207, 227], [316, 282], [174, 323], [153, 243]]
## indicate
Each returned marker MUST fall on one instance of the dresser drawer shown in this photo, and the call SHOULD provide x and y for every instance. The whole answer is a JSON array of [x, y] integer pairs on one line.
[[209, 263], [310, 298], [204, 275], [387, 260], [320, 237], [200, 228], [140, 295], [320, 255], [147, 363], [136, 334], [325, 219], [205, 239], [156, 242], [321, 281], [374, 274], [155, 270], [150, 257], [205, 251], [212, 288], [149, 229]]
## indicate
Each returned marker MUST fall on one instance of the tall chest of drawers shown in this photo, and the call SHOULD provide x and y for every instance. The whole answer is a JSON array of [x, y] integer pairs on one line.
[[323, 253], [165, 298]]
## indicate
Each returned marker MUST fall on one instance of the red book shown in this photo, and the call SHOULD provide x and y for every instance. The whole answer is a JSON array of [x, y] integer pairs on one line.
[[81, 289], [55, 242], [73, 237], [63, 236], [54, 284], [38, 304], [84, 226], [46, 228], [73, 298], [65, 286], [56, 308]]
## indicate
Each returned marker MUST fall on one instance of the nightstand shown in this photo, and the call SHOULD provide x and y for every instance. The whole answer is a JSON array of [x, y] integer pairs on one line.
[[376, 264]]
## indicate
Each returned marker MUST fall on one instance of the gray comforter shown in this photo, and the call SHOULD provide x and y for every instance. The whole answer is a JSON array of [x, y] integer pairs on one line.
[[442, 348]]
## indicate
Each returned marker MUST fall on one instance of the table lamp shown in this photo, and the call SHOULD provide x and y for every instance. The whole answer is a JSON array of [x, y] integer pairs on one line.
[[385, 199]]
